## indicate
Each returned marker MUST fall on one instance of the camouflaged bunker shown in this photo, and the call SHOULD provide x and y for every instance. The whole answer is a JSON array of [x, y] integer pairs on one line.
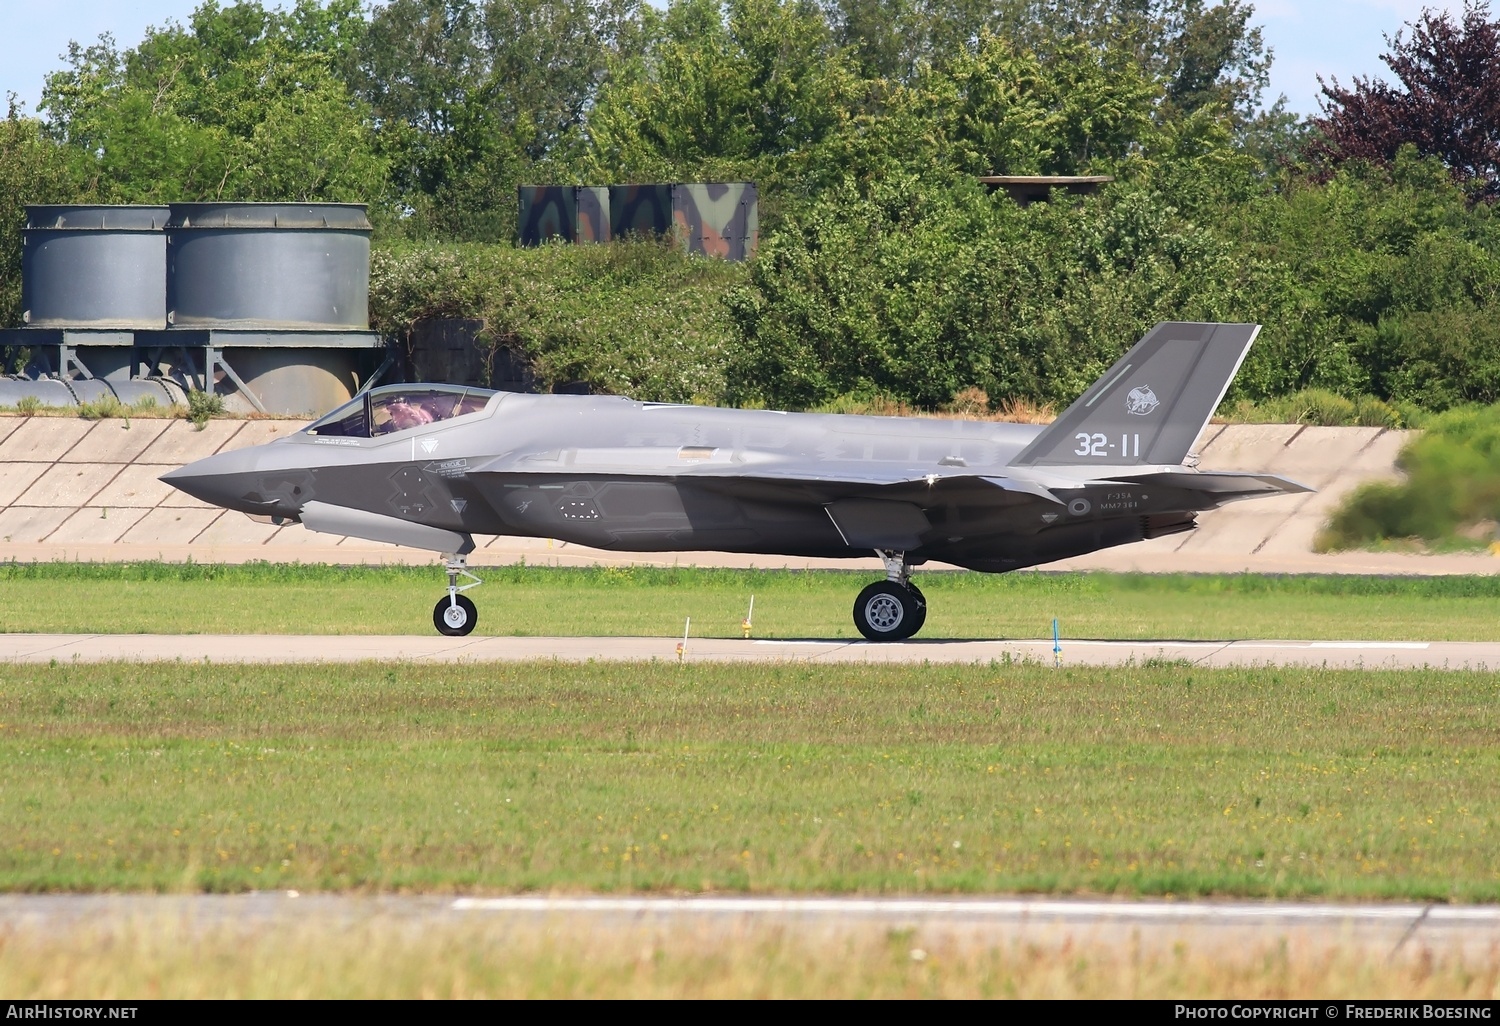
[[572, 213], [719, 219]]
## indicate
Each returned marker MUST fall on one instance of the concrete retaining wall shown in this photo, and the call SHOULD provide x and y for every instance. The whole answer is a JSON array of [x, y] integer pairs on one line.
[[88, 490]]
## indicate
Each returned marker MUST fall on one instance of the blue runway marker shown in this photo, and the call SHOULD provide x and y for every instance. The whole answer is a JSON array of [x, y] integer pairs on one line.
[[1056, 645]]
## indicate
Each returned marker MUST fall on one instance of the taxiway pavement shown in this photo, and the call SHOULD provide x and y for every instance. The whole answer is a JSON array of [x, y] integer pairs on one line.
[[348, 648], [1241, 926]]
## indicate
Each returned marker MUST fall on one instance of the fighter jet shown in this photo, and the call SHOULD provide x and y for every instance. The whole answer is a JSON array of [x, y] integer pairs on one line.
[[431, 465]]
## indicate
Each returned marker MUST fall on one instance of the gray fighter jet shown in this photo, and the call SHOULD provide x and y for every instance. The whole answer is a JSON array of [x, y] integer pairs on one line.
[[431, 466]]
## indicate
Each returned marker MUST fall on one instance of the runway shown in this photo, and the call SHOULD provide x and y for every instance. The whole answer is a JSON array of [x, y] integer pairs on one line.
[[1384, 929], [261, 648]]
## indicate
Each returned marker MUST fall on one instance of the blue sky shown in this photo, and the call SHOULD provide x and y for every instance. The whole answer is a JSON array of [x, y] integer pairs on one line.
[[1342, 38]]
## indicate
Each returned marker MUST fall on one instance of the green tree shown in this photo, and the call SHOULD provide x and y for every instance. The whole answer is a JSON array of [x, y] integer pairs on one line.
[[1210, 54], [743, 88], [470, 95], [917, 287], [1010, 112], [1200, 52], [243, 103]]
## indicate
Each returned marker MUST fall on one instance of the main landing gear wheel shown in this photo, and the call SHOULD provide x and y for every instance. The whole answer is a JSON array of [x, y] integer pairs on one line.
[[887, 611], [921, 617], [455, 616]]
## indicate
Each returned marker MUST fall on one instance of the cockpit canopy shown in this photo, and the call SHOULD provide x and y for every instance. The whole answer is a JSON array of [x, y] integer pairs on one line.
[[390, 408]]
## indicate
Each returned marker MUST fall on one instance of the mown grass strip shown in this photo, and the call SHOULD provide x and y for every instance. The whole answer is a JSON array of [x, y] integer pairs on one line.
[[658, 777], [265, 598]]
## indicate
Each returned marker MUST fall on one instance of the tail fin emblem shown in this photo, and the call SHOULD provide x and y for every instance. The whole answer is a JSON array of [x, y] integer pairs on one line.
[[1141, 400]]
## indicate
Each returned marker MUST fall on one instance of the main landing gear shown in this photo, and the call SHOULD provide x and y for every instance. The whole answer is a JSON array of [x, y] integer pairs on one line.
[[893, 609], [455, 615]]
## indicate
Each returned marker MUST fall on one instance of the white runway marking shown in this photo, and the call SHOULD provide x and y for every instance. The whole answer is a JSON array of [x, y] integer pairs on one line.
[[969, 908], [1137, 644]]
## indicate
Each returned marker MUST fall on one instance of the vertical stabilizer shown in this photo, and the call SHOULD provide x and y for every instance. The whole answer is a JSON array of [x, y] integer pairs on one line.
[[1148, 408]]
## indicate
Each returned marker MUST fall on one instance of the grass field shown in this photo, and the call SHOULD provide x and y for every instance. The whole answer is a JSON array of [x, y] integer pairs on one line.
[[519, 600], [386, 957], [657, 777]]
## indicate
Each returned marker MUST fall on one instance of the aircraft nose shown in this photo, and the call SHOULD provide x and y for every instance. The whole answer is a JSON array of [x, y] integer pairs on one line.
[[221, 480]]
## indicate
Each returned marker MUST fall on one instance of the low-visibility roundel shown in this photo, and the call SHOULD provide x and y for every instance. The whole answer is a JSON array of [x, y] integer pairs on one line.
[[1141, 400]]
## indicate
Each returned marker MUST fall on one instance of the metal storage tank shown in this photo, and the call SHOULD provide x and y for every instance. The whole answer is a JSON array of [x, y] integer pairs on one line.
[[282, 266], [94, 267], [295, 382]]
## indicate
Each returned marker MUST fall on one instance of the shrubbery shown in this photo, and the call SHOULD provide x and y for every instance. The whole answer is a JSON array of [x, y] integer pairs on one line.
[[1379, 294], [1452, 487], [1322, 407], [636, 318]]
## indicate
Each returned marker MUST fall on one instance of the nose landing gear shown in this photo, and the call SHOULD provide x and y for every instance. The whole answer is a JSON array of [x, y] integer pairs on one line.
[[893, 609], [455, 615]]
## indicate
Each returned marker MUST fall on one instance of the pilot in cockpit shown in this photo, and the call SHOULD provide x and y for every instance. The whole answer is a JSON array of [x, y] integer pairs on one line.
[[406, 414], [399, 407]]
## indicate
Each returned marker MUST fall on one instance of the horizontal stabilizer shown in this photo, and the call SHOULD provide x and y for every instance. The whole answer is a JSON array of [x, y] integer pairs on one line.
[[1224, 485]]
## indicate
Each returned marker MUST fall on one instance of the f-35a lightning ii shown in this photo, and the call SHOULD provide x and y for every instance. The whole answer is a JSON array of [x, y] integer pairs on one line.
[[430, 466]]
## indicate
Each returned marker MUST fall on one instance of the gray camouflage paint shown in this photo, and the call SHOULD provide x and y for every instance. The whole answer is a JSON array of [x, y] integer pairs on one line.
[[618, 474]]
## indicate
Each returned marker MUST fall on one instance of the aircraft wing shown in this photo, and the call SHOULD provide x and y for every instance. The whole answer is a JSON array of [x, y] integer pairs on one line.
[[766, 474], [874, 505]]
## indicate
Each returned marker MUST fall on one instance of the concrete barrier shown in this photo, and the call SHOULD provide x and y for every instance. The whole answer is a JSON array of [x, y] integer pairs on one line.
[[72, 489]]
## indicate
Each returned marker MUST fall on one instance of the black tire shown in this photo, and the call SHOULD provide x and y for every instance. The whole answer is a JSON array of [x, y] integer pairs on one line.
[[888, 612], [921, 616], [455, 618]]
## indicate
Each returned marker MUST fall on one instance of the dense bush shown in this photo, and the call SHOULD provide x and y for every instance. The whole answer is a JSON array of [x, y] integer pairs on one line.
[[1322, 407], [1386, 283], [1452, 485], [1377, 290], [637, 318]]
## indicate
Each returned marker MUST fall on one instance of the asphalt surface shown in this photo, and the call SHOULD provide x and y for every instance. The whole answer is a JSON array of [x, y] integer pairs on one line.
[[1387, 930], [261, 648]]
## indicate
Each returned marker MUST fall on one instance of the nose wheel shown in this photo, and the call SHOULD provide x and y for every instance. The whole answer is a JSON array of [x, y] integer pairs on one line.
[[893, 609], [455, 614]]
